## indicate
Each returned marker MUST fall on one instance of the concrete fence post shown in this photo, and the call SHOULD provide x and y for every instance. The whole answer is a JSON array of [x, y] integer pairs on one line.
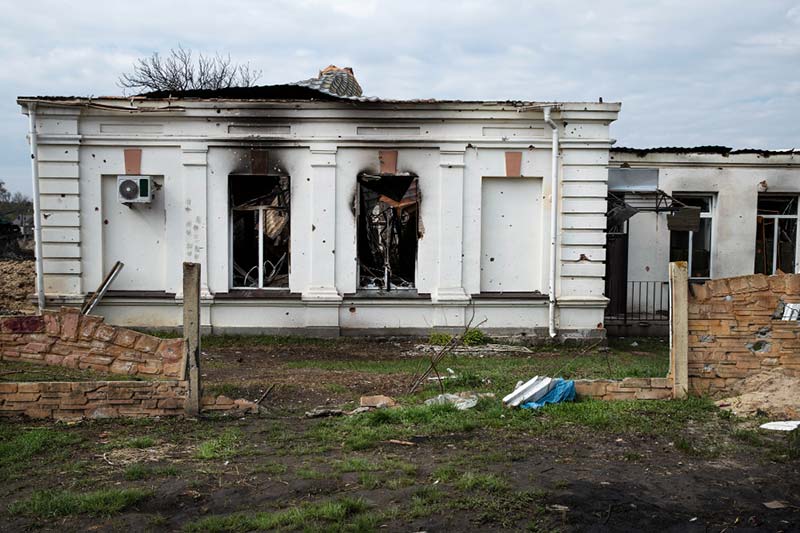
[[191, 334], [679, 328]]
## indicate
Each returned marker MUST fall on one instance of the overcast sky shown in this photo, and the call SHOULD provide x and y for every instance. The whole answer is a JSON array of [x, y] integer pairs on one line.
[[687, 72]]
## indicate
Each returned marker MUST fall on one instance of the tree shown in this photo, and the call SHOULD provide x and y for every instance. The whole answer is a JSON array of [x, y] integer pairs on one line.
[[179, 71], [14, 204]]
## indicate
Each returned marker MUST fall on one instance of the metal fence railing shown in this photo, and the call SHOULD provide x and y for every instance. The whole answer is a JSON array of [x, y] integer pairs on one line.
[[644, 301]]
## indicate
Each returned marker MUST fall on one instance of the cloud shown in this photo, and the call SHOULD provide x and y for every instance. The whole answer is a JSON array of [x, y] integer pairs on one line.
[[687, 72]]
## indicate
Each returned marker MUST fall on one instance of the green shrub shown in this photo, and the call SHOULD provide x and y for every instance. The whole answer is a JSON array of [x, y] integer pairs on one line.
[[440, 339], [475, 337]]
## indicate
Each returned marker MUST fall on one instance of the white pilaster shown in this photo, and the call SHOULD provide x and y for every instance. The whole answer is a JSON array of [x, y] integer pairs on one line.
[[322, 230], [450, 286], [194, 158]]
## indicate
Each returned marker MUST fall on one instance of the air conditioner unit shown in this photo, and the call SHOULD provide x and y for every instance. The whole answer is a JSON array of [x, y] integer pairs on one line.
[[134, 189]]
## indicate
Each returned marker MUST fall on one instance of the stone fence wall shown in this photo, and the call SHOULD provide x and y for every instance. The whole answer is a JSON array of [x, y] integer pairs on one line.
[[67, 338], [625, 389], [736, 330]]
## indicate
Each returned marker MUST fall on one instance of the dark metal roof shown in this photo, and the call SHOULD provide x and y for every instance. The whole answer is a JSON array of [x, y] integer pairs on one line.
[[717, 150]]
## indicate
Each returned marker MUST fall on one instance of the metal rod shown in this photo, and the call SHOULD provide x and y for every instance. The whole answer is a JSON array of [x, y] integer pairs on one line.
[[260, 248], [101, 290]]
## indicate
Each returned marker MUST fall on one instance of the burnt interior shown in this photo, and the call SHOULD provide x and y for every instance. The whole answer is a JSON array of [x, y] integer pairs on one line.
[[776, 234], [260, 230], [388, 230]]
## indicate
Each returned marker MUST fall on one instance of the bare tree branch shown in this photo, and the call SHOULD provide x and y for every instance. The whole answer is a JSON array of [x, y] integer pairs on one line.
[[178, 71]]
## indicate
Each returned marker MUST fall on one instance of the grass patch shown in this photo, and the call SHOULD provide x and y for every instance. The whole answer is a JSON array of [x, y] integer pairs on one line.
[[254, 341], [19, 446], [652, 417], [499, 373], [306, 472], [50, 504], [483, 482], [355, 464], [504, 510], [345, 514], [224, 446], [369, 481], [425, 501]]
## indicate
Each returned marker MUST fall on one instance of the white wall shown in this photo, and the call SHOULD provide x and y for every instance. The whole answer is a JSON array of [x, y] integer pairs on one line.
[[453, 148]]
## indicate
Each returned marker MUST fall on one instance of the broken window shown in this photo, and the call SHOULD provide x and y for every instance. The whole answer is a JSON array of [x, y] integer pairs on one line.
[[259, 231], [695, 247], [776, 234], [388, 230]]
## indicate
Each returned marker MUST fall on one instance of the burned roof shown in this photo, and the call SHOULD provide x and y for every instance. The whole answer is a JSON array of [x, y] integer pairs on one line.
[[724, 151], [332, 83]]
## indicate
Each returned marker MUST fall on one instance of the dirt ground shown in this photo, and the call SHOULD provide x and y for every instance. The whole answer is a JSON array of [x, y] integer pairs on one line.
[[584, 466], [18, 283]]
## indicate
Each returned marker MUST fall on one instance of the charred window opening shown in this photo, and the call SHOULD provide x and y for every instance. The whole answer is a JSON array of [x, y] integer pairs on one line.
[[388, 230], [776, 234], [695, 247], [259, 231]]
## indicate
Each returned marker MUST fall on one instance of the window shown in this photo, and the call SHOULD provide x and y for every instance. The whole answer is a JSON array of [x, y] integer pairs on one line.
[[388, 230], [695, 247], [259, 231], [776, 234]]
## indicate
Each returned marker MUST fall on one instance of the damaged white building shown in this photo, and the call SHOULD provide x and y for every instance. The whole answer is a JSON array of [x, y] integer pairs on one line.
[[725, 212], [316, 210]]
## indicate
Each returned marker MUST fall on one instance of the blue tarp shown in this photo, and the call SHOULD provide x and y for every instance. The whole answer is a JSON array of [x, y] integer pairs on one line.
[[562, 391]]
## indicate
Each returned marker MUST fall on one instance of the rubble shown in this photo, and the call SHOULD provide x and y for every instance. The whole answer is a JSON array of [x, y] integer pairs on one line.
[[773, 393], [378, 401]]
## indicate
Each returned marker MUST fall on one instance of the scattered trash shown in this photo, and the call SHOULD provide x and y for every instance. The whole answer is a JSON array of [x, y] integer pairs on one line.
[[563, 390], [377, 402], [461, 400], [441, 378], [784, 425], [776, 504], [401, 442], [320, 412], [531, 390], [634, 344], [541, 390]]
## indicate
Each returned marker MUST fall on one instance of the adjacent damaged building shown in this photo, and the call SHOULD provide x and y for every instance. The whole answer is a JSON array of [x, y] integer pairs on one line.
[[725, 212], [314, 209]]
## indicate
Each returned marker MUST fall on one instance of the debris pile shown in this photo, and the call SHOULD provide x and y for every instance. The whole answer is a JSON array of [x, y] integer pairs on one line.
[[774, 393], [17, 282], [461, 400]]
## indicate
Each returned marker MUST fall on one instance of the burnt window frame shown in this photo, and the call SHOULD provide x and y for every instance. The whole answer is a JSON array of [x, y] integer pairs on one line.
[[776, 218], [709, 215], [391, 289], [260, 229]]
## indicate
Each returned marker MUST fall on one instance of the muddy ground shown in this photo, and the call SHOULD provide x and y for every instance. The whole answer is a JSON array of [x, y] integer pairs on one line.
[[585, 466]]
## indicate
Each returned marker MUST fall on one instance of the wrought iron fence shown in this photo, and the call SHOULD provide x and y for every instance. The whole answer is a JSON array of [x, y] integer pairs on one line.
[[642, 301]]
